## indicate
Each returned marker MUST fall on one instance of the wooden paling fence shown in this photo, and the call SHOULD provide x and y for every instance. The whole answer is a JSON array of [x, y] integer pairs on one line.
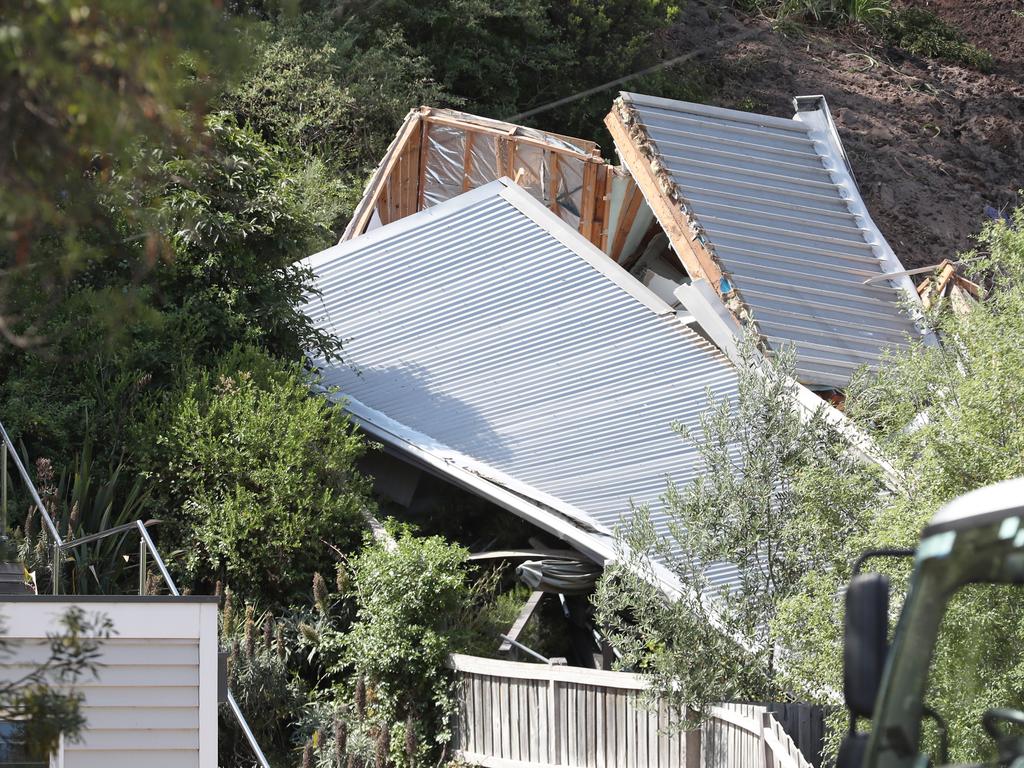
[[518, 715]]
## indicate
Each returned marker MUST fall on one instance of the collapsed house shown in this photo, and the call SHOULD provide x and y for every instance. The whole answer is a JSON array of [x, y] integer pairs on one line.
[[527, 321], [762, 213], [490, 342]]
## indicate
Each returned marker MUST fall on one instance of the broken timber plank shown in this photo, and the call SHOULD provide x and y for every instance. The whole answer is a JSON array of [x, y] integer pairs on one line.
[[520, 622], [699, 263], [630, 209]]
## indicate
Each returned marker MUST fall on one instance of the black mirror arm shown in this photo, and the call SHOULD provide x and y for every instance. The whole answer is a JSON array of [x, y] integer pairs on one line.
[[885, 552]]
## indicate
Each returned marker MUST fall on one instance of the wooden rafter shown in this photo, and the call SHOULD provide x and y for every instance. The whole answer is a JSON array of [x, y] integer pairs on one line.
[[696, 259], [630, 208]]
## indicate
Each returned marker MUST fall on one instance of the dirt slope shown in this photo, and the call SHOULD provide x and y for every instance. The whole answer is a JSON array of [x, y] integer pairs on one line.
[[932, 144]]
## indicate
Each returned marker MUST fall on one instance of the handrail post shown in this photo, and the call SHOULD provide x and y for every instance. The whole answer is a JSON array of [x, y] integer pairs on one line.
[[56, 568], [156, 557], [143, 566], [3, 491]]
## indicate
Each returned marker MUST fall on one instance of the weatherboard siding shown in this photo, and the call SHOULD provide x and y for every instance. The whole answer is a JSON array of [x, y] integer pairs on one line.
[[153, 702]]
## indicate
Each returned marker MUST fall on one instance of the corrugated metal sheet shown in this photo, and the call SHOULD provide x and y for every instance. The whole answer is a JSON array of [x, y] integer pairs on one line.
[[788, 227], [489, 334]]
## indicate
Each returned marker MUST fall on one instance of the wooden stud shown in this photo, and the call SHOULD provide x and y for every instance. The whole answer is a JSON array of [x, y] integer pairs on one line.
[[424, 158], [552, 164], [588, 193], [467, 159], [630, 209], [412, 180], [696, 259], [606, 207]]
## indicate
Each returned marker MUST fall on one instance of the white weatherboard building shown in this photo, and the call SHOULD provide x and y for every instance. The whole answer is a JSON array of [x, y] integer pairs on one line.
[[154, 700]]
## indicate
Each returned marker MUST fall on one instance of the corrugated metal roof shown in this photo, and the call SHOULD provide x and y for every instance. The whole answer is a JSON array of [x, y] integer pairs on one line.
[[488, 338], [778, 208]]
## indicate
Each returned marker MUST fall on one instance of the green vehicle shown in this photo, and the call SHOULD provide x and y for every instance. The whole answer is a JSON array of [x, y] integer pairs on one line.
[[975, 541]]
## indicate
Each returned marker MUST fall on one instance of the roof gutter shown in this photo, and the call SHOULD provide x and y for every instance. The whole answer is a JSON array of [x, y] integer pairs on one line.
[[818, 104]]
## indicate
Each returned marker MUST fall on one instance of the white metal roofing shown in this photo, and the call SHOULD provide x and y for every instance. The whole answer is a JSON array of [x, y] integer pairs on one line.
[[490, 341], [775, 202]]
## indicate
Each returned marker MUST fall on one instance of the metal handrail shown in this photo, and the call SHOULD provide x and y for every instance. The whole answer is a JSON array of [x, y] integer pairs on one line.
[[31, 486], [90, 538], [146, 546], [243, 723]]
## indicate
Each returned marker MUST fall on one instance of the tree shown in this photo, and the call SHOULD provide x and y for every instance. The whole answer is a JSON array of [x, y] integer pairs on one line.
[[263, 473], [39, 701], [81, 86], [411, 602], [753, 506], [950, 420]]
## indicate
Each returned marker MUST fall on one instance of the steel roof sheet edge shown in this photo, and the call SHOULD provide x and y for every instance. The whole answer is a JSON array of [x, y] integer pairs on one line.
[[815, 126]]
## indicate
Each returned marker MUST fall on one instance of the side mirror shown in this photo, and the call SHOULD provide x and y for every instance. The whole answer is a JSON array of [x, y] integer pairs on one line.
[[865, 645]]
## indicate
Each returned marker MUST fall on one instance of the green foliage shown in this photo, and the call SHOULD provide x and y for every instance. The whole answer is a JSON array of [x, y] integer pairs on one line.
[[963, 401], [81, 84], [84, 500], [834, 13], [237, 217], [263, 474], [922, 33], [261, 681], [317, 89], [751, 506], [40, 700], [410, 601]]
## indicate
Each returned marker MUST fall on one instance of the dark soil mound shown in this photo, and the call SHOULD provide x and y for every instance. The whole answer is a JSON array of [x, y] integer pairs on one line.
[[932, 144]]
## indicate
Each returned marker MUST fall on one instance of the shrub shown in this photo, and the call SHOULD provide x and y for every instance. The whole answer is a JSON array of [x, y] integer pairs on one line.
[[922, 33], [316, 88], [264, 476], [411, 603], [827, 12]]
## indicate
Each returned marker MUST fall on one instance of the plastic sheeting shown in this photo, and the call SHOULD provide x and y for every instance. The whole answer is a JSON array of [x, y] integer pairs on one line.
[[451, 170]]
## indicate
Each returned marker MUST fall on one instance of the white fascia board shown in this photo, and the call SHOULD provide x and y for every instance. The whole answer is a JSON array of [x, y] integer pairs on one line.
[[552, 515], [826, 141], [27, 619]]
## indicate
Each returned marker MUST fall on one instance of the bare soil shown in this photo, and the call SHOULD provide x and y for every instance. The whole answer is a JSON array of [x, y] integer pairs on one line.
[[932, 143]]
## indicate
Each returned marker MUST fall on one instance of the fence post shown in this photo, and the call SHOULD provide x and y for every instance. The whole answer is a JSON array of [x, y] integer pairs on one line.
[[766, 747], [692, 744], [555, 720]]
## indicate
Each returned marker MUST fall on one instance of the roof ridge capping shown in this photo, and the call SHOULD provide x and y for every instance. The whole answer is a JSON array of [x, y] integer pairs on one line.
[[815, 113]]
